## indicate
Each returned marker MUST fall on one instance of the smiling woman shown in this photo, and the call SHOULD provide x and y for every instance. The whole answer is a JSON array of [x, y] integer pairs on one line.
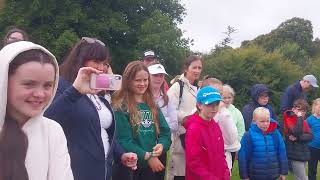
[[29, 92], [142, 127], [31, 146]]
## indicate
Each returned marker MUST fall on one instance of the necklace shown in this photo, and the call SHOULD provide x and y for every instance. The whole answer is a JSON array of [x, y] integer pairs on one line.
[[96, 102]]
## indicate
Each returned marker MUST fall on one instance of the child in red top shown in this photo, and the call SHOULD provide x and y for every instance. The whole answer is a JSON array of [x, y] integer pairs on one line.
[[205, 159], [297, 136]]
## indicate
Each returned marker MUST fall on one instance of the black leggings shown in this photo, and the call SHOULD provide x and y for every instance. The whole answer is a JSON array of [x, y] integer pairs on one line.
[[179, 178], [120, 172]]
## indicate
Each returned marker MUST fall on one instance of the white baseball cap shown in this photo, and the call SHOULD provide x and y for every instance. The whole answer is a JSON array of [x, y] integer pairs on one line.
[[157, 69], [148, 53], [311, 79]]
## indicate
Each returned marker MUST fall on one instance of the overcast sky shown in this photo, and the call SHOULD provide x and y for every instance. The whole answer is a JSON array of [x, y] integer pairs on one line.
[[207, 19]]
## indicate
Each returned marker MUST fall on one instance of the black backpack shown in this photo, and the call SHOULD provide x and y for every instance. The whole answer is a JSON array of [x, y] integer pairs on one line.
[[182, 136], [181, 84]]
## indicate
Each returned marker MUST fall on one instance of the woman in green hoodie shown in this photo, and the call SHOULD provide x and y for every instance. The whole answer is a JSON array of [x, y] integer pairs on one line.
[[142, 128]]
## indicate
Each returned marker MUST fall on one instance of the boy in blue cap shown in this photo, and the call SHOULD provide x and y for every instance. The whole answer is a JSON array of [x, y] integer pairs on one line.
[[205, 157]]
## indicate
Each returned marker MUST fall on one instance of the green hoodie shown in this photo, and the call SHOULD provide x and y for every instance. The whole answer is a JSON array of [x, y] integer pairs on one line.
[[238, 120], [144, 139]]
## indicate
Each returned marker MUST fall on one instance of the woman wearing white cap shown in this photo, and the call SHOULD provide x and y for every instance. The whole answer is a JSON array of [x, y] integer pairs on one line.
[[157, 74]]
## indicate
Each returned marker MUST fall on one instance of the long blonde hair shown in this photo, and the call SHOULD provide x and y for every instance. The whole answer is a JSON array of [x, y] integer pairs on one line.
[[124, 100]]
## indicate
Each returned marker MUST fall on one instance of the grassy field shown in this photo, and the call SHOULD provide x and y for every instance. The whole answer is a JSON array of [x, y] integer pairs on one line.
[[235, 173]]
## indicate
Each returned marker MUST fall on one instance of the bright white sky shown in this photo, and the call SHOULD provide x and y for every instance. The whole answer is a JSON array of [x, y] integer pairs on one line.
[[207, 19]]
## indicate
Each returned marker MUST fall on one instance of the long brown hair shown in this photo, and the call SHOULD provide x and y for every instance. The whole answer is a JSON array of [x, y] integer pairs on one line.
[[124, 98], [80, 54], [13, 141]]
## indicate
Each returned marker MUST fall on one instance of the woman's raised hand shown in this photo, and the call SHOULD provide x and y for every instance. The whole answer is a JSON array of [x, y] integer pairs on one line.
[[82, 81]]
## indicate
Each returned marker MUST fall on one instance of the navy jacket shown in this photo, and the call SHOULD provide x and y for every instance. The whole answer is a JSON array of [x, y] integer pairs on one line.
[[292, 93], [264, 159], [247, 110], [80, 121]]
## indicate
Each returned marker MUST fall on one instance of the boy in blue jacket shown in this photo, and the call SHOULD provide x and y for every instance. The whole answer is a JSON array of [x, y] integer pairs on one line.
[[263, 154]]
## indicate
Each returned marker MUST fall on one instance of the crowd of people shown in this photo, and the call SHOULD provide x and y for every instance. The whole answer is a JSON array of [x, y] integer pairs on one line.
[[54, 125]]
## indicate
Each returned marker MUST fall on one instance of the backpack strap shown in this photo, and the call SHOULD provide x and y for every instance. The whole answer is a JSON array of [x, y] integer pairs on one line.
[[181, 84]]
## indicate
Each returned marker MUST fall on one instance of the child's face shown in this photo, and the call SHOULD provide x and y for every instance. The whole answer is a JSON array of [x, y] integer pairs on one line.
[[263, 99], [140, 83], [262, 121], [209, 111], [316, 108], [156, 80], [299, 112], [227, 98], [30, 92]]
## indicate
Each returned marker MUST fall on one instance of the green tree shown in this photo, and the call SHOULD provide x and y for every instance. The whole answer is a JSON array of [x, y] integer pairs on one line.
[[294, 53], [58, 24], [295, 30], [241, 68], [158, 33]]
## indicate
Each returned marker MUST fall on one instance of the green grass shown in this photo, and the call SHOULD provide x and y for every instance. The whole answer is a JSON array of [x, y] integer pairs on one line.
[[236, 176]]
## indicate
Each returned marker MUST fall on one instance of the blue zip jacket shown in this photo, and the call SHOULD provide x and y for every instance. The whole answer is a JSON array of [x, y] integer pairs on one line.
[[266, 157], [247, 110], [79, 119], [314, 124]]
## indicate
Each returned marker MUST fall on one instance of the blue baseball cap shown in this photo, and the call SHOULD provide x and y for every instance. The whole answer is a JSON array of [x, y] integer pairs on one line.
[[208, 95]]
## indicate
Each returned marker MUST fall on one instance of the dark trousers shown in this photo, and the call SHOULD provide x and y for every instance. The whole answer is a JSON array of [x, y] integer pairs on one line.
[[233, 155], [120, 172], [179, 178], [313, 163]]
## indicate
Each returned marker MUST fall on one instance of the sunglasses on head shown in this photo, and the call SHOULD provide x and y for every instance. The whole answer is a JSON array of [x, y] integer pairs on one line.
[[92, 40]]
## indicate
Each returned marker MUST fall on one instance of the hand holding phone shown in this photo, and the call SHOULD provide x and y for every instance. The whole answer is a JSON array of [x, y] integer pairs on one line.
[[82, 81], [110, 82]]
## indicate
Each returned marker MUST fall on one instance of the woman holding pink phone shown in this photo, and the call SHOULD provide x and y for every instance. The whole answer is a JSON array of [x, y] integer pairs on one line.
[[86, 118]]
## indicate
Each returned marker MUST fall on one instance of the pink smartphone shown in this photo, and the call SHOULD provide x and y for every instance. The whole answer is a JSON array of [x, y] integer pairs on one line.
[[110, 82]]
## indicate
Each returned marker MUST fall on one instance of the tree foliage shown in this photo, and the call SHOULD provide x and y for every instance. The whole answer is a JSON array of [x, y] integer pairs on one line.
[[242, 68], [125, 26], [276, 59]]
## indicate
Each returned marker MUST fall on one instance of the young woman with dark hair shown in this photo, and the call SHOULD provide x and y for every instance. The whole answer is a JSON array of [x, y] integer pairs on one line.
[[32, 147], [86, 118]]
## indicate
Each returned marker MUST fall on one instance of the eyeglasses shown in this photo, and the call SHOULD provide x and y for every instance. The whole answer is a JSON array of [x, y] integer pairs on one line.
[[92, 40]]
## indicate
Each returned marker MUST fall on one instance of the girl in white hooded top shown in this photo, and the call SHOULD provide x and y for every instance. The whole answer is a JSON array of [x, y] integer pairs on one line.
[[32, 147], [157, 74]]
